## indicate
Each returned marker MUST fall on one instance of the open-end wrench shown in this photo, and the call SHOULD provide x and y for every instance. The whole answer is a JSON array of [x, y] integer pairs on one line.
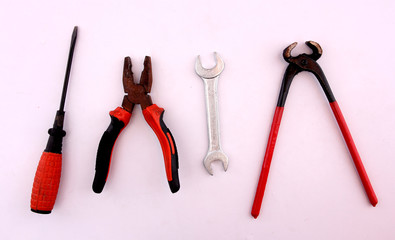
[[210, 79]]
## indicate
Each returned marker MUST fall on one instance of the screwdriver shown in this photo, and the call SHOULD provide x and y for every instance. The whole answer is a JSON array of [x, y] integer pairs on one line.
[[47, 178]]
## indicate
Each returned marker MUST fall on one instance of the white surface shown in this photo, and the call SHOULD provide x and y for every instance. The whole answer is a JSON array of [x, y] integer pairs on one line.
[[313, 190]]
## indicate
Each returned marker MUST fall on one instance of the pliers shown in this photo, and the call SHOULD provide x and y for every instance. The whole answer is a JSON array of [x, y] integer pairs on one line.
[[136, 94], [300, 63]]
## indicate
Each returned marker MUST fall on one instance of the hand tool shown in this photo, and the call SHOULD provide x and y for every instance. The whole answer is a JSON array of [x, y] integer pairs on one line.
[[47, 178], [136, 94], [210, 79], [300, 63]]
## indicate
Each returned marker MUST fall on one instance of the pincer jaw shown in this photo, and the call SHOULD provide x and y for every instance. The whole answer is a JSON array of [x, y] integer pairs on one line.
[[317, 50], [287, 52], [315, 47]]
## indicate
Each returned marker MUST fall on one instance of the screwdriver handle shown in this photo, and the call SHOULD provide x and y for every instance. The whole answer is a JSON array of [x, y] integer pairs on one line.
[[47, 178], [154, 117], [119, 119], [354, 153], [46, 183]]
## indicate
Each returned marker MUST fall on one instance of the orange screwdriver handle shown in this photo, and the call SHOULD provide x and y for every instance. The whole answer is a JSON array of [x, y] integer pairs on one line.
[[46, 183], [154, 117], [47, 178]]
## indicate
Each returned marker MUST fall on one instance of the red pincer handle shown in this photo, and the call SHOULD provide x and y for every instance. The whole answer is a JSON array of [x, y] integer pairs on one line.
[[354, 153], [154, 117], [46, 183], [271, 143]]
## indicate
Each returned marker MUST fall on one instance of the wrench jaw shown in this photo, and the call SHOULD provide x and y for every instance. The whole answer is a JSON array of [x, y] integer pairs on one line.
[[212, 156], [212, 72]]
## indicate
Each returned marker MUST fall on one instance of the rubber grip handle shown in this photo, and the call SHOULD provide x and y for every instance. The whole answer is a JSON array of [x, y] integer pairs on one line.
[[154, 117], [354, 153], [46, 183], [119, 119], [271, 143]]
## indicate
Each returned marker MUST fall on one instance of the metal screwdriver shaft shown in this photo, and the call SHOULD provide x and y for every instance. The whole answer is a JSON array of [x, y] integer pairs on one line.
[[68, 68]]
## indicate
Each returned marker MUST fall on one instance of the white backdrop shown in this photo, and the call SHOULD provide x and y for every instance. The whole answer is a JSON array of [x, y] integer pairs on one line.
[[313, 189]]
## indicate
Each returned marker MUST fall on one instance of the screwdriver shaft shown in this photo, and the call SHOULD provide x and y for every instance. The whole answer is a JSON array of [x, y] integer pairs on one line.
[[68, 68]]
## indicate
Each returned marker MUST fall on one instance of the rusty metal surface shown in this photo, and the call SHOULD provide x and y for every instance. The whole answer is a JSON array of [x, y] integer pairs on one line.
[[137, 93], [303, 62]]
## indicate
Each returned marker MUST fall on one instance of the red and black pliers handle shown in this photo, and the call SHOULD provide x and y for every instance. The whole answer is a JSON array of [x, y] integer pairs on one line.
[[137, 94], [307, 62]]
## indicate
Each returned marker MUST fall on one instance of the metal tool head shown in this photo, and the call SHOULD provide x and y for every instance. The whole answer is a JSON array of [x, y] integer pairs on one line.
[[146, 75], [317, 51], [145, 79], [215, 156], [300, 63], [212, 72], [127, 80], [137, 93]]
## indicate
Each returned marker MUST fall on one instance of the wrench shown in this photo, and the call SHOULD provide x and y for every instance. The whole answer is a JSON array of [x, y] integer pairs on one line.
[[210, 79]]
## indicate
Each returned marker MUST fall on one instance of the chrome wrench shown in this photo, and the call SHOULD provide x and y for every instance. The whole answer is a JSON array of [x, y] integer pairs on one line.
[[210, 79]]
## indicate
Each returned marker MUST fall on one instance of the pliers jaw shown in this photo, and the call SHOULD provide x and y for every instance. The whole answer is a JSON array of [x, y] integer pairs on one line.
[[137, 93], [146, 75]]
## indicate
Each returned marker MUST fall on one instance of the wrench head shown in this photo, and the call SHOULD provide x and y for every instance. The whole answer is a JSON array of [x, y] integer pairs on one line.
[[212, 72], [215, 156]]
